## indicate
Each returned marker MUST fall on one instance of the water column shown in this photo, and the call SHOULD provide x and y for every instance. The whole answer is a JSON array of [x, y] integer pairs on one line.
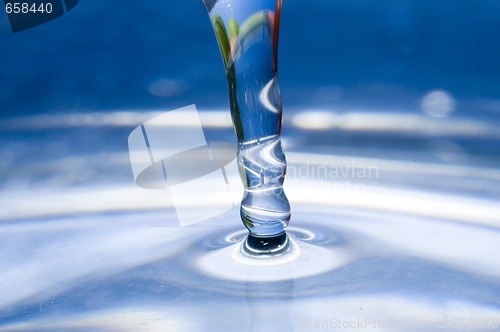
[[247, 33]]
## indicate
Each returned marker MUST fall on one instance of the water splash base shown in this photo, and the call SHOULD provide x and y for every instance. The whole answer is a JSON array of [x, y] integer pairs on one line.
[[299, 257]]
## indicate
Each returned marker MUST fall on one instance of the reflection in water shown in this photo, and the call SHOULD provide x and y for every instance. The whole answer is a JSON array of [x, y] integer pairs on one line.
[[124, 272], [395, 123], [270, 305], [438, 104], [149, 276], [57, 254], [83, 249], [310, 253]]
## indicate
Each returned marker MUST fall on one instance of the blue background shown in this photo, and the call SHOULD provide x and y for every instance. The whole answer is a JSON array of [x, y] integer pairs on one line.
[[367, 54], [81, 244]]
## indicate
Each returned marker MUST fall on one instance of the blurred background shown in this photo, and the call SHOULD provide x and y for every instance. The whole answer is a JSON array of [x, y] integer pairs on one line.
[[410, 89], [362, 54], [423, 58], [413, 81]]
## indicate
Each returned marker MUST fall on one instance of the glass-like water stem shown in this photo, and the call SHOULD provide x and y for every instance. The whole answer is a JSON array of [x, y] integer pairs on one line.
[[247, 32]]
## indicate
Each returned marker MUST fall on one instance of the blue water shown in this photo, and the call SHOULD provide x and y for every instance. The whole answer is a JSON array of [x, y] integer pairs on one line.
[[363, 53], [409, 89], [344, 58], [248, 39]]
